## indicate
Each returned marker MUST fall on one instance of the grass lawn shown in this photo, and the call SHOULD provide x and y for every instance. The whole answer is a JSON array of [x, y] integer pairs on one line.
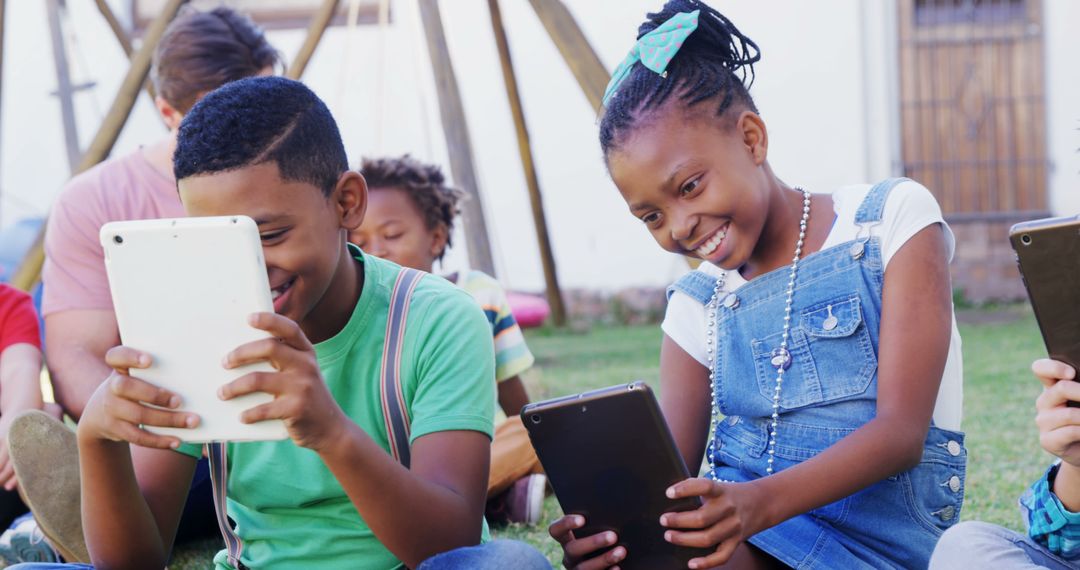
[[999, 393]]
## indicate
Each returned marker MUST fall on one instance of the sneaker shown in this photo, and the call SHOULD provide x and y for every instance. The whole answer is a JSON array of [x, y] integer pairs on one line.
[[24, 542], [525, 499], [45, 455]]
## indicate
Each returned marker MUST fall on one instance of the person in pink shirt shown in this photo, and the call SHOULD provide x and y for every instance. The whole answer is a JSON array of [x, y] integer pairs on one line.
[[199, 52]]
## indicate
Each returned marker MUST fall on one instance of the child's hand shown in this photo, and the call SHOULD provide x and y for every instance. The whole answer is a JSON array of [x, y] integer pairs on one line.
[[1059, 424], [118, 409], [723, 521], [301, 399], [587, 552]]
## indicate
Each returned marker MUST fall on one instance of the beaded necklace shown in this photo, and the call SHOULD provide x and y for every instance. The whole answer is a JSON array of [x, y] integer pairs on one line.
[[781, 357]]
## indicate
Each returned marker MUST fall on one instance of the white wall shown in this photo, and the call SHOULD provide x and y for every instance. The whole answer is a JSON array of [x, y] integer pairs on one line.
[[823, 86], [1063, 104]]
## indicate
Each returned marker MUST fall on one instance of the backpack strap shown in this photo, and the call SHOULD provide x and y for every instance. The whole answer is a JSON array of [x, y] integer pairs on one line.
[[219, 472], [395, 412], [393, 403]]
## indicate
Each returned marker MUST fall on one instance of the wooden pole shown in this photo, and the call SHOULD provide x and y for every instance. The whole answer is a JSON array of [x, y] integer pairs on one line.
[[575, 49], [547, 258], [457, 137], [318, 25], [64, 89], [114, 24], [122, 38], [29, 271]]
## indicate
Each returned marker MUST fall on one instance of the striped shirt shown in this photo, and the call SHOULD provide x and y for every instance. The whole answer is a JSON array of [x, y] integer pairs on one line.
[[512, 356]]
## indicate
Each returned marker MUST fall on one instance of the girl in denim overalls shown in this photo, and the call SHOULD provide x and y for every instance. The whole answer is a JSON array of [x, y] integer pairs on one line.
[[824, 327]]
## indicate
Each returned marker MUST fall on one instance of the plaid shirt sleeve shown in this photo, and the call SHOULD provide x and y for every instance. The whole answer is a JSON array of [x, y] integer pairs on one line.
[[1049, 522]]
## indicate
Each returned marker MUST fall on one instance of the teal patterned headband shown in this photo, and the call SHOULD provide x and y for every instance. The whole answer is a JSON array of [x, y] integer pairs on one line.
[[655, 49]]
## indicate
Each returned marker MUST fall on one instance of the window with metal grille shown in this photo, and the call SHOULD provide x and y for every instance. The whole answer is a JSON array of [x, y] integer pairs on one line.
[[943, 12]]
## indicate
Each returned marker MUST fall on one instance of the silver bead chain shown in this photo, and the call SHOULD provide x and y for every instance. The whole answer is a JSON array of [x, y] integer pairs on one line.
[[711, 310]]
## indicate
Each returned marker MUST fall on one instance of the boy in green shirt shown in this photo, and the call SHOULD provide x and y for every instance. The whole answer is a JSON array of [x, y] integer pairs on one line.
[[331, 496]]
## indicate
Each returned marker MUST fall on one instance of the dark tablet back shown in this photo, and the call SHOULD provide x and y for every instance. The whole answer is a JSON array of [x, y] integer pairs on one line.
[[610, 457], [1048, 253]]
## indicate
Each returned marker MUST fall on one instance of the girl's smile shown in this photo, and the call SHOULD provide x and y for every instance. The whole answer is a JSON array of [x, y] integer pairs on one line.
[[712, 243]]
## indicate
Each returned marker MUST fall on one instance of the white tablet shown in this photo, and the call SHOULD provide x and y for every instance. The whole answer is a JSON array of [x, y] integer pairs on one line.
[[182, 290]]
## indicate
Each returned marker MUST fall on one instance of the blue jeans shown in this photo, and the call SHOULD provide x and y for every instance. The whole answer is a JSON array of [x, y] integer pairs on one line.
[[495, 555], [976, 544]]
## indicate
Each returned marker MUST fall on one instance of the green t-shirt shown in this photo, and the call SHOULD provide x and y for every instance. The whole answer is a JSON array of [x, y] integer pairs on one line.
[[290, 511]]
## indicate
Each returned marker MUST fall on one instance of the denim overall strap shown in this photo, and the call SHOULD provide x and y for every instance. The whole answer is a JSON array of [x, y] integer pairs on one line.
[[698, 285], [219, 473], [874, 204], [393, 399]]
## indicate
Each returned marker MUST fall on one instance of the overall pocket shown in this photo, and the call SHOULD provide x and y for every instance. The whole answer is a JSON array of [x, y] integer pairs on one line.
[[800, 387], [840, 347], [832, 355]]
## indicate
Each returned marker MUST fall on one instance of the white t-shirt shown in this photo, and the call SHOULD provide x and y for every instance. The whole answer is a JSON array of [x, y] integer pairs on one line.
[[909, 208]]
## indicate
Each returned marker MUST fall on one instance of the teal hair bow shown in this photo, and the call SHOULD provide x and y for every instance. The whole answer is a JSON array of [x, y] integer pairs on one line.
[[655, 49]]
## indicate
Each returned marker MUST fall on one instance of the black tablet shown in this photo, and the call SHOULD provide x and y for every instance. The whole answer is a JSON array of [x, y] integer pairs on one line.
[[610, 457], [1048, 254]]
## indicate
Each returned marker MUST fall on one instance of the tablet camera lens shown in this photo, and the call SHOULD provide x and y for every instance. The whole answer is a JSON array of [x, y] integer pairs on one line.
[[1025, 239], [535, 418], [118, 239]]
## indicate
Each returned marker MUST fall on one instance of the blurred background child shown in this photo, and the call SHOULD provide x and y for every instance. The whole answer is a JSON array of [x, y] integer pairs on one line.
[[410, 218]]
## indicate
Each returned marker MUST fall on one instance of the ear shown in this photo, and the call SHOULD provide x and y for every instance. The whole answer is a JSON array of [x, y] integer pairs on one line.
[[754, 136], [439, 238], [350, 197], [169, 114]]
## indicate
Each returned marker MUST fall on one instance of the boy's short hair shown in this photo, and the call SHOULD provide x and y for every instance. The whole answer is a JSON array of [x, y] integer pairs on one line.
[[202, 51], [424, 184], [258, 120]]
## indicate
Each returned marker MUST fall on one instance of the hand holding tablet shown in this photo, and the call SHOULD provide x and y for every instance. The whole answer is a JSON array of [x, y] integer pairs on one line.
[[183, 291], [610, 458]]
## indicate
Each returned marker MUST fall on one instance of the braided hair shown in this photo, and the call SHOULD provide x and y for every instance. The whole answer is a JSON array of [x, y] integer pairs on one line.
[[716, 62], [424, 184]]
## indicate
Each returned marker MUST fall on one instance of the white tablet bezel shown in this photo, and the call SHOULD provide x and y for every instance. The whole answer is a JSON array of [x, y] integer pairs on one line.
[[182, 291]]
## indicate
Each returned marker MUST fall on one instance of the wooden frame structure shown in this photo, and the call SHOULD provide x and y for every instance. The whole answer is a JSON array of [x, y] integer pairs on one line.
[[557, 20]]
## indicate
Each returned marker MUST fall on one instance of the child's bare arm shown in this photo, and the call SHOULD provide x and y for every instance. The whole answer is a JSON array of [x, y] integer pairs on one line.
[[20, 379], [1059, 426], [512, 395], [685, 397], [78, 341], [132, 496], [20, 389]]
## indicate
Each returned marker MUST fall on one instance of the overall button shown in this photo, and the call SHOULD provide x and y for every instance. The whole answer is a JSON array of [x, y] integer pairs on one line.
[[856, 250], [730, 301], [954, 483], [953, 447], [947, 513], [732, 420]]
